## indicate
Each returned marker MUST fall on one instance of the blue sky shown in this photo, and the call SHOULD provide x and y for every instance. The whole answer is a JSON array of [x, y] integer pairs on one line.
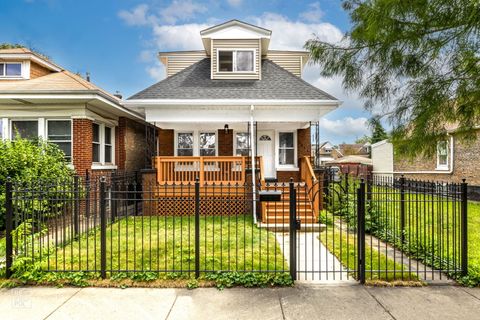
[[116, 40]]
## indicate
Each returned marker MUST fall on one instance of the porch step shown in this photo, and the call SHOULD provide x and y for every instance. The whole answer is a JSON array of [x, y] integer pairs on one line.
[[279, 212], [285, 227]]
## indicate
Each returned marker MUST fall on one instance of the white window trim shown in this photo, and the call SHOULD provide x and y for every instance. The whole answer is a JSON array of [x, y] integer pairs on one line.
[[23, 70], [447, 165], [102, 164], [279, 166], [216, 140], [71, 134], [234, 62], [5, 128], [40, 129], [196, 141], [235, 140]]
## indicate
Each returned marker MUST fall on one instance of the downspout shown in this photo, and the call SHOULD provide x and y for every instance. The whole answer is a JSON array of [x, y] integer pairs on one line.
[[254, 187]]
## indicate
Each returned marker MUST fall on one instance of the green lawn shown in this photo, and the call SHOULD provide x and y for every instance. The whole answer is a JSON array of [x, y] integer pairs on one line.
[[342, 243], [227, 243], [432, 228]]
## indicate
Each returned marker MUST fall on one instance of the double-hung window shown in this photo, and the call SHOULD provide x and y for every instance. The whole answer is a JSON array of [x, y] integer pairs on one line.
[[185, 144], [286, 148], [59, 132], [11, 69], [24, 129], [108, 145], [236, 61], [242, 147], [96, 143], [102, 144], [442, 155], [207, 143]]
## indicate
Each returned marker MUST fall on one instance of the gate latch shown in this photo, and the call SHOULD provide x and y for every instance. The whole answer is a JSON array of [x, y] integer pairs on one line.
[[297, 224]]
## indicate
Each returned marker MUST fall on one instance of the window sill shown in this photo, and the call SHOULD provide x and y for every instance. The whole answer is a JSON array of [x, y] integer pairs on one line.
[[98, 166], [284, 168], [442, 168]]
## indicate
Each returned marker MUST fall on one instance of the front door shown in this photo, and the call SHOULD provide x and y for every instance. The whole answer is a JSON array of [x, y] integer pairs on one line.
[[265, 148]]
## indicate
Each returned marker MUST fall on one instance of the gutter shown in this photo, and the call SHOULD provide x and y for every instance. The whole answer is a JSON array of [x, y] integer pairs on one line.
[[230, 102], [67, 94]]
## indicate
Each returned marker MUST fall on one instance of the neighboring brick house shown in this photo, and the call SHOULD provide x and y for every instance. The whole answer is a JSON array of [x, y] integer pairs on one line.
[[453, 161], [40, 99]]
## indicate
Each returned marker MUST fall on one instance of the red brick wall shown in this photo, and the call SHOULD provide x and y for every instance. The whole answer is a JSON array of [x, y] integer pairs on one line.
[[120, 151], [284, 176], [82, 145], [225, 142], [166, 142], [304, 143]]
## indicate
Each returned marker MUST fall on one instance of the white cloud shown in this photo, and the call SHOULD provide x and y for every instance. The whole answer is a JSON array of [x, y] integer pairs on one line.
[[136, 17], [291, 35], [157, 71], [181, 10], [235, 3], [313, 14], [346, 128]]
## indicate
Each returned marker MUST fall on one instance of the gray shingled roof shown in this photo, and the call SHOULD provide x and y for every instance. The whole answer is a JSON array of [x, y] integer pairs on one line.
[[194, 83]]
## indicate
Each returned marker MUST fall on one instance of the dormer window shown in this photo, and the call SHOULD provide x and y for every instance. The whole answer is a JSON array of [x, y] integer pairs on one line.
[[236, 60], [10, 70]]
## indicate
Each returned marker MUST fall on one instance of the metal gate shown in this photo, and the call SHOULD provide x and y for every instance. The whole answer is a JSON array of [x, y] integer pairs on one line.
[[380, 229]]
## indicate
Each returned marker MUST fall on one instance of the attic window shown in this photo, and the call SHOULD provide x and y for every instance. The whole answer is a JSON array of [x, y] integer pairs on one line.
[[236, 60], [10, 69]]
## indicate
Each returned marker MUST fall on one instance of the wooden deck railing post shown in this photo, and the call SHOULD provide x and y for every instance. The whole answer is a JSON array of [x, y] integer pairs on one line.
[[202, 171]]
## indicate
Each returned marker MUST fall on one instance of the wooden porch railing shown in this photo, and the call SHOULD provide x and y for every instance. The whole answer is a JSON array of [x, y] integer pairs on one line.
[[209, 170], [313, 187]]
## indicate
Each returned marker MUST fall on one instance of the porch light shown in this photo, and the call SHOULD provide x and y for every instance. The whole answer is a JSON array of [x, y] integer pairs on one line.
[[226, 128]]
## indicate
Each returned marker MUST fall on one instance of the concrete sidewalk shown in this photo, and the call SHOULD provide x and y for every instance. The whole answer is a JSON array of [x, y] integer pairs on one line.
[[339, 301]]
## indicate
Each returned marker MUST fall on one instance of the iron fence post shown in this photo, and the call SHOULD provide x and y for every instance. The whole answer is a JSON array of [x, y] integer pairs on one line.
[[197, 228], [76, 211], [402, 209], [361, 232], [293, 230], [103, 230], [113, 203], [87, 197], [8, 228], [464, 210]]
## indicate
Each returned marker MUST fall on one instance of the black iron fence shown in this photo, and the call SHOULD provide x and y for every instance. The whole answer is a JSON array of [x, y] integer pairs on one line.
[[382, 228]]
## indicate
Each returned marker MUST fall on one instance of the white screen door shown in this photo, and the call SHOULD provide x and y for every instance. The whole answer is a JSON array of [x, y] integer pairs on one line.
[[265, 148]]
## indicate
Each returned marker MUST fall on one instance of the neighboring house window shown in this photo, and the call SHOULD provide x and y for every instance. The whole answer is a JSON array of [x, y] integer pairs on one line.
[[236, 60], [108, 145], [26, 129], [185, 144], [286, 148], [59, 132], [10, 69], [242, 144], [96, 143], [102, 144], [442, 155], [207, 144]]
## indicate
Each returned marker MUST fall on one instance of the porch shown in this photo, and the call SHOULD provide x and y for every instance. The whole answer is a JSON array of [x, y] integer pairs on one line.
[[229, 188]]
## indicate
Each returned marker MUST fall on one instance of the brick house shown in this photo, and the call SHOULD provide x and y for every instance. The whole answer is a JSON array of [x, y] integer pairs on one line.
[[40, 99], [453, 161], [234, 108]]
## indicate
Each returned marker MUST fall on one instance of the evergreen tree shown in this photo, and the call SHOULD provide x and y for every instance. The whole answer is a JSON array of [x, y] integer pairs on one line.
[[378, 132]]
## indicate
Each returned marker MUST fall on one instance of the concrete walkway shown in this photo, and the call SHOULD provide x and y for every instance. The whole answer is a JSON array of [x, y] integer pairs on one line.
[[347, 301]]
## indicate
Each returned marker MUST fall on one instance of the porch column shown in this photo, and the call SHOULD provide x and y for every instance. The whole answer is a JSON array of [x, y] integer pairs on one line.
[[252, 149]]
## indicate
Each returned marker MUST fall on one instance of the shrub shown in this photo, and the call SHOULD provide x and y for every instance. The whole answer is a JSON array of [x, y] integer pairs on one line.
[[31, 163]]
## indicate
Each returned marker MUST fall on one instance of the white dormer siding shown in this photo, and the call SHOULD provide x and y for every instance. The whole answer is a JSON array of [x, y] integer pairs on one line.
[[236, 45], [177, 61]]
